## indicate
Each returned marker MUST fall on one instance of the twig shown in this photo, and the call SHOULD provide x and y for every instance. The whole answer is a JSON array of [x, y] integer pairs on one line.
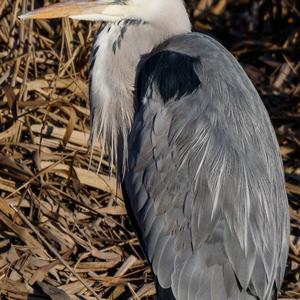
[[28, 223]]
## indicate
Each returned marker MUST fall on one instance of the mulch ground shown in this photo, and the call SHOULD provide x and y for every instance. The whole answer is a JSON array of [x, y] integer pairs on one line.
[[64, 233]]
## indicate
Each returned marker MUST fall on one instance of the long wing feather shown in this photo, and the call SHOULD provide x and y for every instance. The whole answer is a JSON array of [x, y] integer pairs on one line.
[[204, 179]]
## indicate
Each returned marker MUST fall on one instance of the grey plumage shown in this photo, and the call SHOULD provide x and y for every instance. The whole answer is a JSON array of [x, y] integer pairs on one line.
[[205, 183], [195, 150]]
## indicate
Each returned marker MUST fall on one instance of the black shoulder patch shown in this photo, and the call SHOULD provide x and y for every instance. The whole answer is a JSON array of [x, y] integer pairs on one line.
[[173, 73]]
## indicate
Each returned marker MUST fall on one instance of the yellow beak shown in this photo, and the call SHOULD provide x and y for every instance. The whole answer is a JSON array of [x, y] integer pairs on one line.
[[105, 10]]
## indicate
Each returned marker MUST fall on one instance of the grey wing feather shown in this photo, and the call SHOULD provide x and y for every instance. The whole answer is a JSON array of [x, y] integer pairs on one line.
[[205, 182]]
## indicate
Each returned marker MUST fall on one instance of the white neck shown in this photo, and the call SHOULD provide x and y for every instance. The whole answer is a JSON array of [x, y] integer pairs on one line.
[[119, 47]]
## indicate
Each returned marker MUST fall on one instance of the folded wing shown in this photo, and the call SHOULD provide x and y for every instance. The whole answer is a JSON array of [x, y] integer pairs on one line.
[[204, 181]]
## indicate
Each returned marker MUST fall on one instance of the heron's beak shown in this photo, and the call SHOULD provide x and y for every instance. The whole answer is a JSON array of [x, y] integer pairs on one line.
[[104, 10]]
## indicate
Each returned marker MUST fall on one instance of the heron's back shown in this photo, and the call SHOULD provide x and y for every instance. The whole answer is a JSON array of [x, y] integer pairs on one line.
[[204, 180]]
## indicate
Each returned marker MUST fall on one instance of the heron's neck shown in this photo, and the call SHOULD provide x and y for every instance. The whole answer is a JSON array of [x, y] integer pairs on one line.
[[117, 52]]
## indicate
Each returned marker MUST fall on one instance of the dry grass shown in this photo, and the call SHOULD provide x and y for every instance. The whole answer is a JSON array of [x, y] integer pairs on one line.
[[63, 229]]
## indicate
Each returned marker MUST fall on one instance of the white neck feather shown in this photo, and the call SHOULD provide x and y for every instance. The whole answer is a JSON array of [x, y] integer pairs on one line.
[[119, 47]]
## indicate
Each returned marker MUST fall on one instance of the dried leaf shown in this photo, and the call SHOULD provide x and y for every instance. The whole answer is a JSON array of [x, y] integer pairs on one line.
[[25, 236], [71, 125], [11, 100], [86, 177], [53, 292]]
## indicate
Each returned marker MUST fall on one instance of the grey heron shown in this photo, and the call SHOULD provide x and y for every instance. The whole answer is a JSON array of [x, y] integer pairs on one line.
[[194, 147]]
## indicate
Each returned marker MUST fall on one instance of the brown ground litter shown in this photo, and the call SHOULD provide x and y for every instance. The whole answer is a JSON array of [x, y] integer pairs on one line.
[[64, 233]]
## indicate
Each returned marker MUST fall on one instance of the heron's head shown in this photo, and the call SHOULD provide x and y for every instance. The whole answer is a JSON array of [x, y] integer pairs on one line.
[[150, 11]]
